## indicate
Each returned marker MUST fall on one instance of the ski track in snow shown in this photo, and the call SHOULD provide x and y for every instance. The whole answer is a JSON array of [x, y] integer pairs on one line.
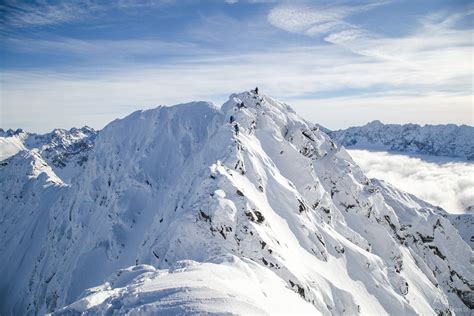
[[449, 184]]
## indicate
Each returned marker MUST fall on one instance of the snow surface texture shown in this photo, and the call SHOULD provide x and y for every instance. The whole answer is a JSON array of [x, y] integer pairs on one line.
[[220, 286], [465, 224], [441, 181], [438, 140], [184, 209], [65, 151]]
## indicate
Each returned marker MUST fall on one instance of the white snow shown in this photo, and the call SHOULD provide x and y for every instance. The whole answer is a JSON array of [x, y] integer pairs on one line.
[[172, 210], [436, 140], [65, 151], [9, 146], [225, 285]]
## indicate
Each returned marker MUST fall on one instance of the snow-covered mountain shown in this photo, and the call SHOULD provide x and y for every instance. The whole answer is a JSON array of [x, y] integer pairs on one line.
[[438, 140], [64, 150], [247, 208], [464, 223]]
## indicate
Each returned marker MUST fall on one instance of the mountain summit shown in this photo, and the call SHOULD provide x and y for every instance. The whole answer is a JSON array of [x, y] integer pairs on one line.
[[247, 208]]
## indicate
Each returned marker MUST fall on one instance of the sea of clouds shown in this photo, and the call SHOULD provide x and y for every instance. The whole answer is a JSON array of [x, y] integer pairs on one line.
[[439, 181]]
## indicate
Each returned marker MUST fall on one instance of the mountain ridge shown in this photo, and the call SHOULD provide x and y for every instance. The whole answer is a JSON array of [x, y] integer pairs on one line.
[[64, 150], [251, 185], [439, 140]]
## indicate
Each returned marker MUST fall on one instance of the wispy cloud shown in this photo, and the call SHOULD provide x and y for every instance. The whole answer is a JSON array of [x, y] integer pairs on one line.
[[447, 184], [310, 19], [432, 36], [296, 75], [24, 14], [436, 32], [20, 14], [417, 76], [100, 50], [251, 1]]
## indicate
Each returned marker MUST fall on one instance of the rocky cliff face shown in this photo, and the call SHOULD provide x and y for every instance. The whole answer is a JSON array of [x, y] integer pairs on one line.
[[246, 208]]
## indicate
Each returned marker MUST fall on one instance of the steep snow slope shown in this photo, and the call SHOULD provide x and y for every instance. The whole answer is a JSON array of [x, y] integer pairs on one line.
[[439, 140], [182, 192], [464, 223], [11, 142]]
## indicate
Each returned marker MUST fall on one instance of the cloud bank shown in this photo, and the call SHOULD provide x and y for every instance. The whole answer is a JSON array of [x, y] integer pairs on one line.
[[443, 183]]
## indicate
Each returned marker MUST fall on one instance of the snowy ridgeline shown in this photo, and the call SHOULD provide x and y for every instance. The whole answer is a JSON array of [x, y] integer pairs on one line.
[[438, 140], [63, 150], [243, 209]]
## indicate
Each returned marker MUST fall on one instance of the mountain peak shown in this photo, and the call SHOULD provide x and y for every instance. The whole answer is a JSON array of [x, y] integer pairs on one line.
[[249, 190], [437, 140], [375, 123]]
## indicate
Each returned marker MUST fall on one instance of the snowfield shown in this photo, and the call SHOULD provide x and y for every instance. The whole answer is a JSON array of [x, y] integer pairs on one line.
[[224, 285], [242, 209]]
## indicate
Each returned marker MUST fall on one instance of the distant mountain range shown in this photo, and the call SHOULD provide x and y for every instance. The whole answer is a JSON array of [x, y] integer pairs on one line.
[[438, 140], [64, 150], [243, 209]]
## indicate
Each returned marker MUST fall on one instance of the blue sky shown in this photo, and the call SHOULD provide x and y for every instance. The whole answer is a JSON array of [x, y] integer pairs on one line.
[[338, 63]]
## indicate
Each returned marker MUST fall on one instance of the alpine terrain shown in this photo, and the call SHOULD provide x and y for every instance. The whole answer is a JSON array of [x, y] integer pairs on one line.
[[246, 208], [437, 140]]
